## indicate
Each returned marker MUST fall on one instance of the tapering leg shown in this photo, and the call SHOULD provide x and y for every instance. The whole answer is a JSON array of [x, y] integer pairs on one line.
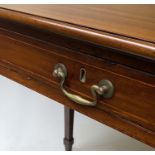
[[69, 122]]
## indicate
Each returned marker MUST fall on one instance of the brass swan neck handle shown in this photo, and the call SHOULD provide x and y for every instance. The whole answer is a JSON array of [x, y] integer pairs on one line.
[[105, 88]]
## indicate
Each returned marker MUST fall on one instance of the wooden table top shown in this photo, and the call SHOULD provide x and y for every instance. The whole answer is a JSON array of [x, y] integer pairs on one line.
[[127, 27]]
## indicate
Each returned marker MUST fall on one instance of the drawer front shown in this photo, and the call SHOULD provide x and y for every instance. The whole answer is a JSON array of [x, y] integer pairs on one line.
[[133, 99], [134, 96]]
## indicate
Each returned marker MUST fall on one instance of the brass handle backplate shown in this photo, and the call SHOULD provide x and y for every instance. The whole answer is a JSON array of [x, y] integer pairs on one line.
[[105, 88]]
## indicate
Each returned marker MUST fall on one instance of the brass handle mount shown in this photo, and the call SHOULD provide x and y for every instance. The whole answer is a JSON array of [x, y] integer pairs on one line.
[[104, 88]]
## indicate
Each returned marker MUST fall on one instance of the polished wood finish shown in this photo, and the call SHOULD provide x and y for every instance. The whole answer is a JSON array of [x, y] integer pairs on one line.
[[32, 46], [129, 20], [130, 44], [69, 122]]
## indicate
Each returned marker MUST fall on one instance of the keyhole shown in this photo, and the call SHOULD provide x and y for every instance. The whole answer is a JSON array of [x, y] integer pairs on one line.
[[82, 75]]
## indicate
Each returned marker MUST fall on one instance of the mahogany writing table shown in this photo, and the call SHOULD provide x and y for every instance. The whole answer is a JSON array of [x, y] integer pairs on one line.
[[96, 59]]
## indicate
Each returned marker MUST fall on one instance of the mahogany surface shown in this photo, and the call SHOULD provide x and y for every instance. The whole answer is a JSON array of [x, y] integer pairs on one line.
[[130, 20], [31, 44]]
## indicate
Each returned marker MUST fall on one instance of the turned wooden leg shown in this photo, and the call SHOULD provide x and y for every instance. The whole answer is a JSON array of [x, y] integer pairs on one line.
[[69, 121]]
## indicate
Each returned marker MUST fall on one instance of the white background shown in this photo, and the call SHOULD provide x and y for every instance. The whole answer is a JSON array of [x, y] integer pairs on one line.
[[30, 121]]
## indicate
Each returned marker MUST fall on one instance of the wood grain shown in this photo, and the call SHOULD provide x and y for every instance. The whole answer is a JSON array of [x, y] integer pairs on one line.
[[38, 63], [133, 41], [131, 20], [118, 123], [120, 48]]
